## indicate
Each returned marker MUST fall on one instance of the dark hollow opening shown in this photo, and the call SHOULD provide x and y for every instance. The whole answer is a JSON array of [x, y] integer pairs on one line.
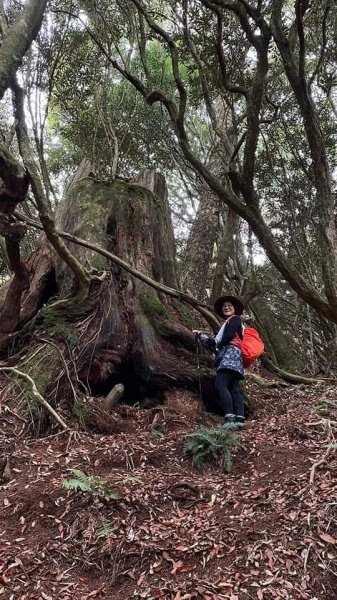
[[137, 390], [50, 289]]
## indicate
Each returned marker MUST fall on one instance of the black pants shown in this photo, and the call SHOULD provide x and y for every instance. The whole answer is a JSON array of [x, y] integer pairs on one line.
[[227, 382]]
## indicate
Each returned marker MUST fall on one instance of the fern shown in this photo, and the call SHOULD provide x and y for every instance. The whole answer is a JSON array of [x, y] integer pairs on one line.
[[82, 482], [105, 529], [95, 486], [214, 443]]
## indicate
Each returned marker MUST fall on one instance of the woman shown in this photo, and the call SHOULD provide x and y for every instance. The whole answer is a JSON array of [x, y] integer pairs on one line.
[[228, 361]]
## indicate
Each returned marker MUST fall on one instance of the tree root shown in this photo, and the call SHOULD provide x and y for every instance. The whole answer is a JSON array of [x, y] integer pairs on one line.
[[266, 383], [291, 377], [183, 485], [36, 394], [330, 440]]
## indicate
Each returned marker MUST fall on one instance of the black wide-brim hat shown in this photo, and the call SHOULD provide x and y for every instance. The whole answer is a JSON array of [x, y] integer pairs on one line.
[[238, 305]]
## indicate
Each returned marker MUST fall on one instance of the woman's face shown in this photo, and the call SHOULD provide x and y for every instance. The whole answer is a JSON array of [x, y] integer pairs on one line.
[[228, 309]]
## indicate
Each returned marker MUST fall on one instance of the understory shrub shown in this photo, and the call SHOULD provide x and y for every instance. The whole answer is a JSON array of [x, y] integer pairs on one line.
[[216, 443]]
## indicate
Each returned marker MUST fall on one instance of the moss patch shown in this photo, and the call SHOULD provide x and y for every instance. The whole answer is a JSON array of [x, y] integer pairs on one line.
[[186, 314], [151, 305]]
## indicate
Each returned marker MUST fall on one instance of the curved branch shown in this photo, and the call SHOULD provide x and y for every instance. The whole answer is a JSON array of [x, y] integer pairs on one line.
[[234, 89], [204, 309], [174, 60]]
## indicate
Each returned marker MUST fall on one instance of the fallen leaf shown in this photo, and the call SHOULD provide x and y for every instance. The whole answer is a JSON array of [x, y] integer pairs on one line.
[[140, 580], [176, 567], [327, 538], [167, 556], [270, 557]]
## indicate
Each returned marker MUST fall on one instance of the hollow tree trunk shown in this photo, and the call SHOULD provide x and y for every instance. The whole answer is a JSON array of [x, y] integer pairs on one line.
[[125, 332]]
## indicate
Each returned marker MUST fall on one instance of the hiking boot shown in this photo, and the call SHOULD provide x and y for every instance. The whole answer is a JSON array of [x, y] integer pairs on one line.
[[229, 422], [240, 421]]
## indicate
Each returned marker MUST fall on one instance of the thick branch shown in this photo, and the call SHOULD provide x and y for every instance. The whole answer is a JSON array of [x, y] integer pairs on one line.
[[19, 38], [254, 103], [253, 216], [235, 89], [10, 311], [315, 136], [13, 175]]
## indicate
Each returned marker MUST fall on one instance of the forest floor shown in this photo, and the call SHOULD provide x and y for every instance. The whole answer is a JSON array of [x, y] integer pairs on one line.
[[261, 532]]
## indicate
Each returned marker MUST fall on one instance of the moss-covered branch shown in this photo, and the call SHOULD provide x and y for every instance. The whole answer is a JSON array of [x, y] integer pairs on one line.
[[291, 377]]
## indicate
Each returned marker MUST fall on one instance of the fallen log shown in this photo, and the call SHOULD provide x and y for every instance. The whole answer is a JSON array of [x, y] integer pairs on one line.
[[113, 397]]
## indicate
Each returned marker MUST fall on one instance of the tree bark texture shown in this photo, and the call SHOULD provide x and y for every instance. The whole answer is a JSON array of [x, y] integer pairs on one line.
[[198, 255], [125, 332], [18, 39]]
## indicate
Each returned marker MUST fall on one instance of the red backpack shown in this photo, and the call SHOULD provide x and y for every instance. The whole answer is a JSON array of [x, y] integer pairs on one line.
[[251, 345]]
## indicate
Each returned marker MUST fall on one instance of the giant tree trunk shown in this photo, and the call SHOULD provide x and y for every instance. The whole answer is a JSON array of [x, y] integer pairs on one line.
[[125, 332]]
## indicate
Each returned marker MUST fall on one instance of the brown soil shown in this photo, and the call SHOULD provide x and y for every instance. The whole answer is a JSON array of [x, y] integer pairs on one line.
[[260, 532]]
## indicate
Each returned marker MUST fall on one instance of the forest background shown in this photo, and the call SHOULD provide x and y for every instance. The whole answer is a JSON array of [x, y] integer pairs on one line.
[[234, 103]]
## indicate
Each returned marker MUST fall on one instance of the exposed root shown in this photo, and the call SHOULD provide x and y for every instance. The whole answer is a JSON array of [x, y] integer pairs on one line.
[[329, 441], [36, 394], [292, 377], [266, 383]]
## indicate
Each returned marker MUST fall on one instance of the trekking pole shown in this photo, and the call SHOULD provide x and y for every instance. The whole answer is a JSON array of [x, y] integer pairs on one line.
[[199, 372]]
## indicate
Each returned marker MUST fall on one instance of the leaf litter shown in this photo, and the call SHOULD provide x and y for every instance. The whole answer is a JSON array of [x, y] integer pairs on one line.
[[170, 531]]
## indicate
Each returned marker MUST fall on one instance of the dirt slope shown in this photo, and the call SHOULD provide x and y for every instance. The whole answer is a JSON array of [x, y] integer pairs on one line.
[[262, 532]]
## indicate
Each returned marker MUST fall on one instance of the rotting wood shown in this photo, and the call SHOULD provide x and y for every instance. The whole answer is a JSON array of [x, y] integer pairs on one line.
[[114, 396]]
